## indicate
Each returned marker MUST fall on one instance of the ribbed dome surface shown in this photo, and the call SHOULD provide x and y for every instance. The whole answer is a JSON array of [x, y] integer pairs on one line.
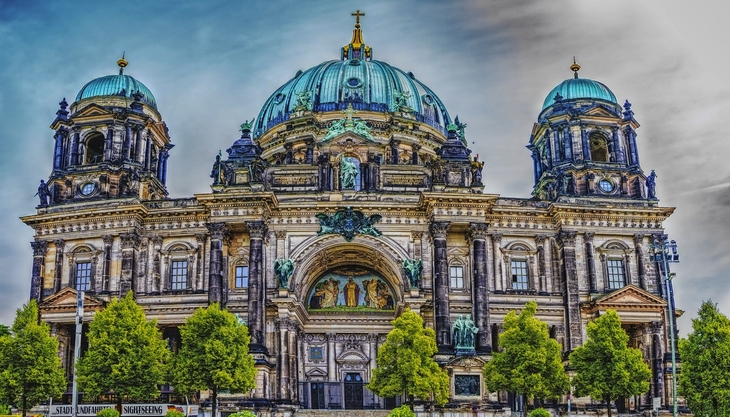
[[116, 85], [580, 88], [367, 85]]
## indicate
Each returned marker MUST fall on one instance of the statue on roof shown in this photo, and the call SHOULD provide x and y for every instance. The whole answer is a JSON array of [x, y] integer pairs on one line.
[[460, 130], [304, 101], [44, 194]]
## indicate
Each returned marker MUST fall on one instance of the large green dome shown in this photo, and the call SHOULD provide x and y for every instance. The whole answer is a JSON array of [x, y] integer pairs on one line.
[[367, 85], [116, 85]]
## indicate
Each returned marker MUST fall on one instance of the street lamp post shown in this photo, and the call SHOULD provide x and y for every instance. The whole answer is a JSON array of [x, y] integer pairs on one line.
[[664, 252]]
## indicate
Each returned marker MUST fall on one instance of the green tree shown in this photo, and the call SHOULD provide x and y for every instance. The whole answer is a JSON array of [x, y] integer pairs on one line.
[[126, 354], [529, 362], [4, 330], [213, 354], [704, 380], [406, 365], [30, 369], [606, 368]]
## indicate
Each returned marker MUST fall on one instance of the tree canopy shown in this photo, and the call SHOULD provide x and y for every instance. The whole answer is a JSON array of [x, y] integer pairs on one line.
[[405, 363], [213, 354], [30, 369], [529, 361], [606, 368], [705, 378], [126, 354]]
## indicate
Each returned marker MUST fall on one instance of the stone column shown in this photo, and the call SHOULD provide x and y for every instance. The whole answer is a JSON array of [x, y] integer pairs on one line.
[[215, 275], [331, 358], [130, 242], [441, 285], [282, 361], [58, 264], [256, 287], [373, 343], [497, 256], [106, 265], [58, 151], [657, 360], [40, 247], [585, 143], [542, 287], [566, 239], [127, 147], [288, 157], [309, 155], [640, 263], [139, 146], [590, 262], [414, 155], [157, 285], [394, 151], [201, 239], [478, 237], [148, 153]]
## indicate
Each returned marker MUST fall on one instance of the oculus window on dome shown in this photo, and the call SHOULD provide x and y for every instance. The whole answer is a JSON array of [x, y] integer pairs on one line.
[[349, 289]]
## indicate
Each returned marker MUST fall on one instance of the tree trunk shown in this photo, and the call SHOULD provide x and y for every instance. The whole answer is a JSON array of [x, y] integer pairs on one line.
[[119, 404], [25, 402], [608, 405], [214, 402]]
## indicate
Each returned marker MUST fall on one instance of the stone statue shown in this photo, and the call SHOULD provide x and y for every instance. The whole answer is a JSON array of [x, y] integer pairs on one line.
[[413, 268], [348, 173], [348, 223], [218, 172], [460, 130], [463, 335], [44, 194], [401, 101], [476, 170], [651, 185], [256, 170], [284, 268]]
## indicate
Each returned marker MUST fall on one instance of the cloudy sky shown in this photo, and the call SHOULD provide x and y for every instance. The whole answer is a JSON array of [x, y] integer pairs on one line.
[[211, 64]]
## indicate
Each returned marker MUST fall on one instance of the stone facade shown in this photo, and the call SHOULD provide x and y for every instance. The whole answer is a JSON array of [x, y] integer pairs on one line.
[[415, 194]]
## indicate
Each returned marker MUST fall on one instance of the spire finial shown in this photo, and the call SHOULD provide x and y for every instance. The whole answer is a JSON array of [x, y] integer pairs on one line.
[[353, 50], [575, 68], [122, 63], [357, 15]]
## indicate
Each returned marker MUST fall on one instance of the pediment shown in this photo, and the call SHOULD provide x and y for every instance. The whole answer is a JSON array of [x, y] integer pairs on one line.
[[600, 111], [316, 372], [92, 110], [352, 356], [628, 298], [66, 300]]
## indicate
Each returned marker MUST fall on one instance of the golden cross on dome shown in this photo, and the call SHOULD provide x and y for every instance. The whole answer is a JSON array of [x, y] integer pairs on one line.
[[357, 15]]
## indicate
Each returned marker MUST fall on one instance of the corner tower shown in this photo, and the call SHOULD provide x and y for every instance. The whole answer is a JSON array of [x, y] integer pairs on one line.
[[110, 143], [584, 145]]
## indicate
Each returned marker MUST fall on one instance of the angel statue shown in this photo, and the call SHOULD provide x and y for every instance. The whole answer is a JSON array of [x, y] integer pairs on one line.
[[284, 268]]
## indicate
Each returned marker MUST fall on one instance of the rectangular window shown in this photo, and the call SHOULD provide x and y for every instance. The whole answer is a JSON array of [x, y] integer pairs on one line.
[[242, 276], [179, 275], [83, 276], [519, 275], [456, 277], [616, 275]]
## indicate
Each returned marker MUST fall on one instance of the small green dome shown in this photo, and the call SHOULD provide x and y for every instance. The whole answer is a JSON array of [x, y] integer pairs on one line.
[[580, 88], [116, 85]]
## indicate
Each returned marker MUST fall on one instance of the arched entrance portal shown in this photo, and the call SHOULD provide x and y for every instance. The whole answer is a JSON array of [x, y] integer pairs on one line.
[[349, 294]]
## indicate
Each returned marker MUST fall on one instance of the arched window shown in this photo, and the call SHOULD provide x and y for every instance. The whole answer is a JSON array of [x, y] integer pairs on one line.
[[599, 147], [94, 148]]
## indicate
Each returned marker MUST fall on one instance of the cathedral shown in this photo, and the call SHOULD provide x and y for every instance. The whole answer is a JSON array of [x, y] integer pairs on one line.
[[351, 197]]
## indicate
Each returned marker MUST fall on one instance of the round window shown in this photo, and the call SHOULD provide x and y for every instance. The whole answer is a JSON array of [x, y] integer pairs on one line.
[[428, 99], [353, 82], [279, 98], [606, 186], [88, 188]]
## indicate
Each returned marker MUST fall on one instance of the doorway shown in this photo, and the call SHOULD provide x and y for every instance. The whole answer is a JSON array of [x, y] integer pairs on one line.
[[353, 391]]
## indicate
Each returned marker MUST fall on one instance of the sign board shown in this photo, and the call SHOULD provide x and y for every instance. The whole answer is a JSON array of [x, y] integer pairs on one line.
[[137, 410], [657, 403]]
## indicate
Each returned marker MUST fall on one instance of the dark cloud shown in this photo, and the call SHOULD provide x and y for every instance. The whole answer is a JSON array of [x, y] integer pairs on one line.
[[212, 64]]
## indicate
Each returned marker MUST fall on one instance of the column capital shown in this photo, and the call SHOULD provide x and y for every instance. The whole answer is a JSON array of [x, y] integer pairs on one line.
[[540, 239], [496, 237], [257, 229], [108, 240], [59, 244], [589, 236], [39, 247], [217, 230], [638, 238], [130, 240], [477, 230], [566, 238], [438, 229]]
